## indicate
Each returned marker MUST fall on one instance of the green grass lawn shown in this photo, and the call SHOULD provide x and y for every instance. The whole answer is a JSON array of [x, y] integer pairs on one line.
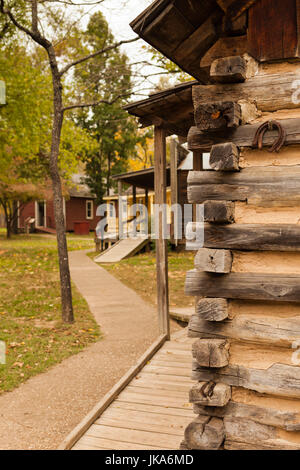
[[139, 273], [30, 316]]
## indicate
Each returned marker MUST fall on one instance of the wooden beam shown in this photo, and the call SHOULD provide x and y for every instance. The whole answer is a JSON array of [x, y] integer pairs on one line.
[[219, 115], [103, 404], [247, 434], [213, 310], [161, 243], [243, 136], [270, 92], [211, 352], [288, 420], [224, 157], [271, 331], [219, 212], [204, 433], [213, 261], [279, 379], [210, 394], [256, 185], [247, 286], [258, 237], [229, 70], [174, 184]]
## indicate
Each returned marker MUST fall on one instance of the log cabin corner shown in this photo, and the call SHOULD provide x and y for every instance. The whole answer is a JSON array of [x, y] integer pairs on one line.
[[243, 108]]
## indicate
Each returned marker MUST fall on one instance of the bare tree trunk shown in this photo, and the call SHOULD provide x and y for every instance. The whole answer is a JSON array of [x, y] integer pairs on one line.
[[4, 204], [65, 278]]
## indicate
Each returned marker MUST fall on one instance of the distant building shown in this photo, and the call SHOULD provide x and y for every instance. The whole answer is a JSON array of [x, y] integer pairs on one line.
[[79, 207]]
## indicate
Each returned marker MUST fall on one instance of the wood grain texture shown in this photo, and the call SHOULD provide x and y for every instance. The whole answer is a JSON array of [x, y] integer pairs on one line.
[[204, 433], [270, 92], [211, 352], [218, 116], [287, 420], [218, 394], [256, 185], [258, 237], [255, 435], [272, 331], [229, 70], [214, 261], [213, 310], [279, 379], [248, 286], [279, 41], [161, 243], [242, 136], [224, 157], [219, 212]]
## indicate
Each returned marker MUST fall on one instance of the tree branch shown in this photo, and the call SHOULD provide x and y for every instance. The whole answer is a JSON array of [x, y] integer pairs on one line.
[[95, 54], [34, 35], [95, 103], [34, 16]]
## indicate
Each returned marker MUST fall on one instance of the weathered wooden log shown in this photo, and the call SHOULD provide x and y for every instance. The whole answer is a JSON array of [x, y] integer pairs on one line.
[[219, 115], [270, 92], [258, 237], [248, 286], [210, 394], [213, 310], [224, 157], [242, 136], [288, 420], [256, 185], [211, 352], [272, 331], [214, 261], [279, 379], [205, 433], [229, 70], [275, 444], [219, 212], [256, 436]]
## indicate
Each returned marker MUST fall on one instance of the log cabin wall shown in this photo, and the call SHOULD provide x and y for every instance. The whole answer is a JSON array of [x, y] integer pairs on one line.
[[246, 279]]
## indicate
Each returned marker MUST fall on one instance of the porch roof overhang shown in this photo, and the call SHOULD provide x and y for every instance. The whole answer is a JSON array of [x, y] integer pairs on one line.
[[184, 30], [171, 109], [141, 179]]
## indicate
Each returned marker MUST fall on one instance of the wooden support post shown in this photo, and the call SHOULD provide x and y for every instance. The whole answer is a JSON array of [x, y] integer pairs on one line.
[[147, 200], [133, 194], [174, 186], [120, 215], [161, 243]]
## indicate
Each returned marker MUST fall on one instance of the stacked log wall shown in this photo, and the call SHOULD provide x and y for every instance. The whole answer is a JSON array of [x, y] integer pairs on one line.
[[247, 284]]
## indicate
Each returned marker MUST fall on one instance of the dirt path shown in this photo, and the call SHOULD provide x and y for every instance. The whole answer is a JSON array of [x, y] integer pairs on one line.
[[41, 412]]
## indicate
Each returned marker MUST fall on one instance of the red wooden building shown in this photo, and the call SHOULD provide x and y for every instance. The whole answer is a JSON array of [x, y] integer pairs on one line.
[[79, 210]]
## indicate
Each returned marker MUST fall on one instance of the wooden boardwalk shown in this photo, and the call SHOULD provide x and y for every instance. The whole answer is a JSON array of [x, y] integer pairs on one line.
[[153, 410]]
